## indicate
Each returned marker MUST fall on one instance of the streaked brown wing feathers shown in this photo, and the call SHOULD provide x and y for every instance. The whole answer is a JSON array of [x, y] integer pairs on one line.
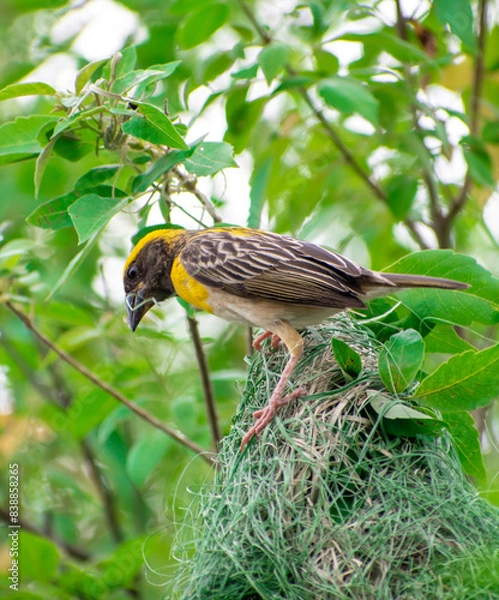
[[272, 267]]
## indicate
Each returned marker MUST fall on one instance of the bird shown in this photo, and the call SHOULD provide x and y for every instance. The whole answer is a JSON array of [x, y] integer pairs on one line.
[[260, 279]]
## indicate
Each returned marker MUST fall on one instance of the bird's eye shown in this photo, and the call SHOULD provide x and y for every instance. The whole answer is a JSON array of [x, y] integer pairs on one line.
[[132, 272]]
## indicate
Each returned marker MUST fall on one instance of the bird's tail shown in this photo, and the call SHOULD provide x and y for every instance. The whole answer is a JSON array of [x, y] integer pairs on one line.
[[423, 281]]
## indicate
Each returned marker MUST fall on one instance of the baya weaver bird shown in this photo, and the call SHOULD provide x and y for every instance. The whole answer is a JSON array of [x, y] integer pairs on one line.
[[259, 279]]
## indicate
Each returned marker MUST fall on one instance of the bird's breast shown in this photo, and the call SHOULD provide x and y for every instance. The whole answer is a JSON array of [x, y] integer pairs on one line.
[[190, 290]]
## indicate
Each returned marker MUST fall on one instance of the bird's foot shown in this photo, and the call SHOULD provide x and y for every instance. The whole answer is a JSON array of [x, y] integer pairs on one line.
[[276, 340], [265, 415]]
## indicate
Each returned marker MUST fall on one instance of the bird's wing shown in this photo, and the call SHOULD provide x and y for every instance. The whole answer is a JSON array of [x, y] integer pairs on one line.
[[257, 264]]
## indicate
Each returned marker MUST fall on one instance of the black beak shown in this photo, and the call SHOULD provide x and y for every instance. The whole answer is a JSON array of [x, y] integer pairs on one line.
[[136, 307]]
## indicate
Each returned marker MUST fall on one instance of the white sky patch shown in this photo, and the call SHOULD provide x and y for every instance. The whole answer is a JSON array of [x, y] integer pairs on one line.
[[491, 215], [6, 400], [101, 28], [346, 52], [378, 162], [358, 124], [453, 170], [58, 70]]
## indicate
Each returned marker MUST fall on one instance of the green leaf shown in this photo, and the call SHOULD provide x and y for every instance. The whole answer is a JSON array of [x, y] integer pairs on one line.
[[459, 16], [190, 310], [91, 213], [215, 65], [74, 148], [11, 252], [349, 96], [111, 422], [480, 165], [127, 61], [401, 359], [259, 182], [145, 455], [348, 359], [272, 59], [72, 266], [17, 90], [490, 132], [19, 138], [54, 213], [94, 177], [84, 74], [38, 557], [464, 382], [294, 81], [210, 157], [90, 410], [242, 116], [41, 164], [145, 76], [459, 307], [401, 191], [387, 41], [403, 420], [163, 164], [154, 127], [68, 122], [466, 438], [201, 25], [146, 230], [443, 339], [327, 63], [248, 73]]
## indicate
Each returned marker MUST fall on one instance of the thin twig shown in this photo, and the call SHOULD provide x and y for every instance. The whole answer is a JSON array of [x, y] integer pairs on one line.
[[476, 94], [143, 414], [101, 483], [340, 145], [208, 392], [189, 184], [329, 130], [266, 39], [73, 551], [249, 341], [428, 175], [415, 234], [61, 397]]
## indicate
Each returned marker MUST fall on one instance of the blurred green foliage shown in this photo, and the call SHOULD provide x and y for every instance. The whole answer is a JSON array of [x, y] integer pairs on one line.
[[368, 130]]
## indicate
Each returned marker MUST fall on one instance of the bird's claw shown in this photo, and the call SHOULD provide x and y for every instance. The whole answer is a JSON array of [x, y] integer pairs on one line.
[[265, 415], [276, 340]]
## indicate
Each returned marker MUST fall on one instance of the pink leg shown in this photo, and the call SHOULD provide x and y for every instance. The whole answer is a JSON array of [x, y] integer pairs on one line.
[[257, 344], [264, 416], [276, 340]]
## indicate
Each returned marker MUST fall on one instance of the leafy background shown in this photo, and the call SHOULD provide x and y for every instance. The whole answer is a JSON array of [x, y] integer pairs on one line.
[[370, 128]]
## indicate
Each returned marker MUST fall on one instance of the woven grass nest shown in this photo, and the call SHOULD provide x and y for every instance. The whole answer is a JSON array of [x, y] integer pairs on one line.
[[326, 505]]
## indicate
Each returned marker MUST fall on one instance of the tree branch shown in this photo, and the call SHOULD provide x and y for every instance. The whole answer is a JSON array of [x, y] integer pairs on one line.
[[101, 483], [266, 39], [208, 392], [189, 184], [143, 414], [340, 145], [476, 94], [61, 396], [73, 551], [437, 218], [329, 130]]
